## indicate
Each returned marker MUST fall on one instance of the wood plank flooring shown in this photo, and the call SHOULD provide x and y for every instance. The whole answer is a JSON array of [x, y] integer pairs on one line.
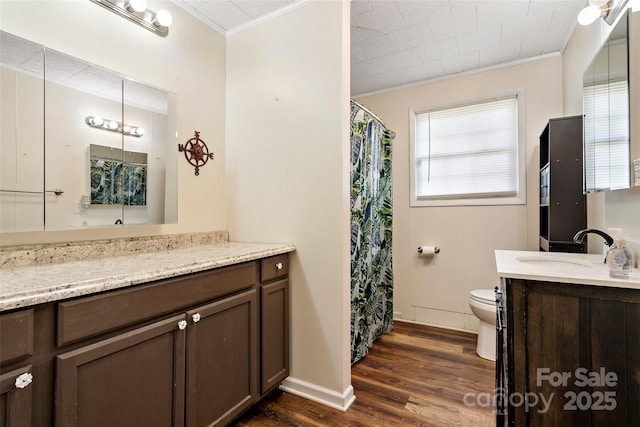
[[415, 376]]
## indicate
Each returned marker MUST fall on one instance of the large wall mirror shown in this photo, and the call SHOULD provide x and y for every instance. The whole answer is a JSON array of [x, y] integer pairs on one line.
[[606, 114], [81, 145]]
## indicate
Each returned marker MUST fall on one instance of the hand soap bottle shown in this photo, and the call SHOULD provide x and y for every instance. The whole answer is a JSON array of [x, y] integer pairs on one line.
[[619, 258]]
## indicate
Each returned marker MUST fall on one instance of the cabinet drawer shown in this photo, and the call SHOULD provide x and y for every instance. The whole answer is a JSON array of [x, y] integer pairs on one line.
[[91, 316], [16, 335], [274, 267]]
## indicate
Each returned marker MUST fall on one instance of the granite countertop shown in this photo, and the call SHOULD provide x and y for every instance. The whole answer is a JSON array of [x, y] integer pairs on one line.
[[586, 269], [25, 286]]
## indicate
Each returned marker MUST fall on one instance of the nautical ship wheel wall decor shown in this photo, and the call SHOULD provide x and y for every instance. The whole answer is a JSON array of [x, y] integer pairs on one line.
[[196, 152]]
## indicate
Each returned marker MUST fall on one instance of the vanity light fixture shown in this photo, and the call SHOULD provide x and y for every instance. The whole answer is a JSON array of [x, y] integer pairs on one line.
[[136, 11], [114, 126], [609, 9], [591, 13], [136, 5]]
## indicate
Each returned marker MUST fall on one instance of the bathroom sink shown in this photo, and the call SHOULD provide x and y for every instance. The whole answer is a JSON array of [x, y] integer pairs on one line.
[[553, 260]]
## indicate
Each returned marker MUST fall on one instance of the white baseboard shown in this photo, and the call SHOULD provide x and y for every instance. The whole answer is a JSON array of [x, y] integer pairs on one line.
[[341, 401], [436, 325]]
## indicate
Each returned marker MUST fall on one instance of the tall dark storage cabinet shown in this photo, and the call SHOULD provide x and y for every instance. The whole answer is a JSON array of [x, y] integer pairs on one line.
[[563, 210]]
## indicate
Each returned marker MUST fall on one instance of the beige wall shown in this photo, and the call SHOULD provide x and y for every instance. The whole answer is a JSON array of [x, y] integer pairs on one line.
[[436, 291], [288, 176], [190, 62]]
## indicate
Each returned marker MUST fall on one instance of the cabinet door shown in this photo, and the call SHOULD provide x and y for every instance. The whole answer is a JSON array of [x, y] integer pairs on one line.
[[275, 334], [16, 398], [133, 379], [222, 354], [578, 348]]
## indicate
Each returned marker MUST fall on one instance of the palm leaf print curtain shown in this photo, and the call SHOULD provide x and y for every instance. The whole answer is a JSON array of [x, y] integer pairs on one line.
[[371, 214]]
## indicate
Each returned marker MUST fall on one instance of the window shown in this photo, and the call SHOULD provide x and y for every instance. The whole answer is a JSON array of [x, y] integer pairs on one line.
[[468, 154], [606, 136]]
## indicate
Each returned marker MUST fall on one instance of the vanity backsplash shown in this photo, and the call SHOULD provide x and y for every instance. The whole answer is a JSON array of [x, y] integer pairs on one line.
[[48, 253]]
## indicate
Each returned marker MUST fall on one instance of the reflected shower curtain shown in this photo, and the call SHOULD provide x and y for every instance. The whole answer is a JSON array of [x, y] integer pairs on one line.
[[371, 215]]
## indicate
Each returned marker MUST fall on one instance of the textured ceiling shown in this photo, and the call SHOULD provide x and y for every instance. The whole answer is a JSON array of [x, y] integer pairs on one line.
[[403, 42], [397, 43]]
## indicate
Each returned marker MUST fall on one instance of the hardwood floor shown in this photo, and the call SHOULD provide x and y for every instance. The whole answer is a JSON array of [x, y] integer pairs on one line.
[[415, 376]]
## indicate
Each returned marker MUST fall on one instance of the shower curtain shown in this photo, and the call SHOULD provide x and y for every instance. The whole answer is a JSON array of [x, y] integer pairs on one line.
[[371, 215]]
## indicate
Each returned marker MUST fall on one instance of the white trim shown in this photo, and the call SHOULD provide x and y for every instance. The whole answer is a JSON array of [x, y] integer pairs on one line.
[[340, 401], [436, 325], [199, 16], [267, 17], [235, 30]]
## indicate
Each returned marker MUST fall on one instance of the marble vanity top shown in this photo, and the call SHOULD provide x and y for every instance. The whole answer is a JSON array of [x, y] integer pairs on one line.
[[24, 286], [586, 269]]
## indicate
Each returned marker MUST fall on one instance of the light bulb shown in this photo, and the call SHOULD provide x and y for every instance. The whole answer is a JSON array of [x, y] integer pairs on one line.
[[137, 5], [163, 18], [112, 125], [96, 121], [589, 14], [139, 131]]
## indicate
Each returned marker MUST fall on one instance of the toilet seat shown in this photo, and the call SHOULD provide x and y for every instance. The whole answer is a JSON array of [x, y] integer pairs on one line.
[[484, 296]]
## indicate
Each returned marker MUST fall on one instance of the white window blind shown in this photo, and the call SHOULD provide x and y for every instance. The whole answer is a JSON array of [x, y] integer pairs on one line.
[[606, 135], [467, 152]]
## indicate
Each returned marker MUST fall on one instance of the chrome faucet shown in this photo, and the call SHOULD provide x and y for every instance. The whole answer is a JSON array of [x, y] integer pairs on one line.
[[580, 235]]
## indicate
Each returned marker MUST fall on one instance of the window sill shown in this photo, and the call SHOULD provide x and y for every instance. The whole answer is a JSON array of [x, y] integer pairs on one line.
[[489, 201]]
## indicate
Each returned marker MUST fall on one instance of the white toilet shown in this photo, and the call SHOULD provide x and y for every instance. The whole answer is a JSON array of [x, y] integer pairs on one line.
[[483, 305]]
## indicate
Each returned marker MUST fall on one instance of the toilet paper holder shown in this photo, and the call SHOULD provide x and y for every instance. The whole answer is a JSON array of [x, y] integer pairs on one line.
[[436, 249]]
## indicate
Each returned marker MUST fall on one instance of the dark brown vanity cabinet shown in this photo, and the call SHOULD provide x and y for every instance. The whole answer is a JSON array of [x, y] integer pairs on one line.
[[572, 355], [192, 351], [274, 301], [16, 346], [563, 209], [196, 368]]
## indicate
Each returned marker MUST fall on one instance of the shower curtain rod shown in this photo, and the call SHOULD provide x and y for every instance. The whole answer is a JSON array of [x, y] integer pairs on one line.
[[376, 118], [366, 110]]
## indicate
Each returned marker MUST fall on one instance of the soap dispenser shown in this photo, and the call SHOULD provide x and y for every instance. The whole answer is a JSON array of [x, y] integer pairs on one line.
[[619, 257]]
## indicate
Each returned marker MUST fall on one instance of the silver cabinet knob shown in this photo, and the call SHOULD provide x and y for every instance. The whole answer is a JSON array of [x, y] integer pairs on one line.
[[182, 325], [23, 380], [279, 266], [196, 318]]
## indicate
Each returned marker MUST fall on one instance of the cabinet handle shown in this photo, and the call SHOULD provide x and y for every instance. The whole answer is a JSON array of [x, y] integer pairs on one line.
[[196, 318], [279, 266], [24, 380], [182, 325]]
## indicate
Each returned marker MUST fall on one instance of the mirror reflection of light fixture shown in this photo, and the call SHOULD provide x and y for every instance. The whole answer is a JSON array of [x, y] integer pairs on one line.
[[136, 11], [609, 9], [114, 126]]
